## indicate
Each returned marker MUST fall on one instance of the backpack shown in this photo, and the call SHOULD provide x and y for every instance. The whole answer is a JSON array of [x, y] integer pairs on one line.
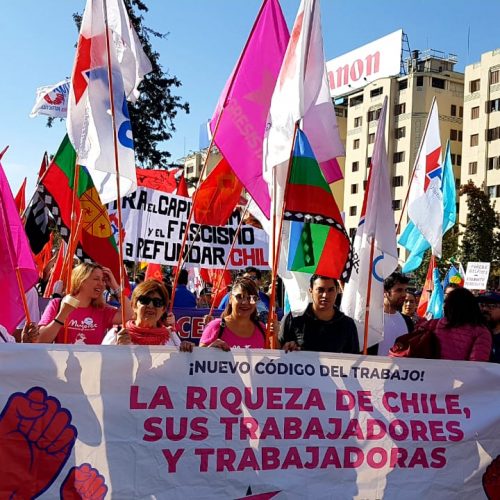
[[421, 343]]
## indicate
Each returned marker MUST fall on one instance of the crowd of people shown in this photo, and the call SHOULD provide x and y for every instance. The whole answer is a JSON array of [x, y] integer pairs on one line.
[[91, 313]]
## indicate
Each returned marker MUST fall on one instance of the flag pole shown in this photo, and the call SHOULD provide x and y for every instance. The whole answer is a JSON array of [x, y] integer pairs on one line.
[[219, 283], [368, 298], [13, 259], [212, 141], [415, 166], [276, 244], [117, 165]]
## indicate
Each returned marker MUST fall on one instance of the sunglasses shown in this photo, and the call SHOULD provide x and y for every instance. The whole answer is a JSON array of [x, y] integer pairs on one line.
[[145, 301], [240, 298]]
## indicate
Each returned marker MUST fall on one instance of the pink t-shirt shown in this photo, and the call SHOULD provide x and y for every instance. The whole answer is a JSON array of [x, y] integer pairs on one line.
[[211, 332], [86, 325]]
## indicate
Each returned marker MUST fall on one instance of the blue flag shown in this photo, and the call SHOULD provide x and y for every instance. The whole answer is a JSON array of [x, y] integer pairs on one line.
[[412, 238], [436, 302]]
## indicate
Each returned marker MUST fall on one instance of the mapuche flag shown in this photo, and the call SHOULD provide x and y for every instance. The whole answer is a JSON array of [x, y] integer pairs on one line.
[[97, 241], [318, 240]]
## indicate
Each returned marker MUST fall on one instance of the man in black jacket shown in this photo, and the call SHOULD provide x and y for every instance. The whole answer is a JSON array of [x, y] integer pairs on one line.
[[322, 327]]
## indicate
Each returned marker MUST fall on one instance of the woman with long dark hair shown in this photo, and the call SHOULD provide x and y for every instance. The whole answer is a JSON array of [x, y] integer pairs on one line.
[[462, 334], [239, 325]]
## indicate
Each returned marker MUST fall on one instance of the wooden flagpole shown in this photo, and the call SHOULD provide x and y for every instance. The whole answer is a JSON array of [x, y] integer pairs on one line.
[[276, 244], [415, 167], [219, 283]]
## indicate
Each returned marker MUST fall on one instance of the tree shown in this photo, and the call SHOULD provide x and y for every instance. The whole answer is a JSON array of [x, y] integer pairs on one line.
[[480, 240], [152, 116]]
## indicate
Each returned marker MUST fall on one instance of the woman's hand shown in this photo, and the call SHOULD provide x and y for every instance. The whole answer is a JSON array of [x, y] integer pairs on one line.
[[220, 344], [109, 279], [186, 346], [207, 318], [30, 333], [291, 346], [123, 337]]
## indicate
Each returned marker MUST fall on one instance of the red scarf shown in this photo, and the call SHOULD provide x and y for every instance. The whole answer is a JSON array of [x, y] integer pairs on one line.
[[147, 336]]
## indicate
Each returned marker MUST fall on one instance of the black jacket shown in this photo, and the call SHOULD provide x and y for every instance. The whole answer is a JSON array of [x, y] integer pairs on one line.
[[312, 334]]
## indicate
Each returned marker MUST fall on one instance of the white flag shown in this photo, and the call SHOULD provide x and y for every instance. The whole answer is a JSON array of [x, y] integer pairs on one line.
[[376, 223], [89, 120], [425, 200], [52, 100]]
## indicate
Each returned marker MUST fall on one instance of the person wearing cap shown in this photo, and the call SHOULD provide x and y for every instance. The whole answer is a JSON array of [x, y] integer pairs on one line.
[[489, 303], [322, 327], [205, 298]]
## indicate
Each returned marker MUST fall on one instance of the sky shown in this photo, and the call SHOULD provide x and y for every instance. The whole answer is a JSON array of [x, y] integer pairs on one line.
[[205, 38]]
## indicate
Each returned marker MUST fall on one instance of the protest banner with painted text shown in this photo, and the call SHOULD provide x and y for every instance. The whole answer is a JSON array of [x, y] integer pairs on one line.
[[139, 422], [154, 225]]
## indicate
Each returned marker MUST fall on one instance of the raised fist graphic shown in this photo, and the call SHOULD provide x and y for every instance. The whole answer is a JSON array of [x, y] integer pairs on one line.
[[36, 439], [84, 483]]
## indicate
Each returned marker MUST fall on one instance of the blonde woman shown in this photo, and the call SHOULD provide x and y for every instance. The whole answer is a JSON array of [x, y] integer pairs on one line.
[[84, 312], [151, 325]]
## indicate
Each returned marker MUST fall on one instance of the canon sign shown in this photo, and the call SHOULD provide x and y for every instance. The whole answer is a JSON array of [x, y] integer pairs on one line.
[[370, 62]]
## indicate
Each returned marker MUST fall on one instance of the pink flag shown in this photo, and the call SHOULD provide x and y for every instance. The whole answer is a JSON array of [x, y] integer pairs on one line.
[[246, 98], [15, 253]]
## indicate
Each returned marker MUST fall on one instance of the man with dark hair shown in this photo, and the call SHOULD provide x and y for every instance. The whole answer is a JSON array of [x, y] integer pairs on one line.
[[183, 296], [489, 303], [322, 327], [395, 323]]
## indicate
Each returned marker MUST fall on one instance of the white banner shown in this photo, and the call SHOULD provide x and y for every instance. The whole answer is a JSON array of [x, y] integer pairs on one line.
[[476, 277], [52, 100], [155, 223], [138, 422], [357, 68]]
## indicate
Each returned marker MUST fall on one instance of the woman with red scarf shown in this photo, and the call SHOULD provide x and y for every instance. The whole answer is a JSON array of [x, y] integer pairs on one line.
[[150, 324]]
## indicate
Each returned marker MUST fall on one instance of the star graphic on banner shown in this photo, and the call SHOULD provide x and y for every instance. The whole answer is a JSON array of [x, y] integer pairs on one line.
[[432, 166], [258, 496], [262, 96], [290, 56]]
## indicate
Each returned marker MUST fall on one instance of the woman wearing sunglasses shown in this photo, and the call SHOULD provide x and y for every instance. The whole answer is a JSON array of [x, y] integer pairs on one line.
[[238, 325], [151, 325]]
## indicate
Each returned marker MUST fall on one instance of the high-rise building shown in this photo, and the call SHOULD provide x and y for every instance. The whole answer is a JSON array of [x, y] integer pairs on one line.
[[481, 146], [429, 74]]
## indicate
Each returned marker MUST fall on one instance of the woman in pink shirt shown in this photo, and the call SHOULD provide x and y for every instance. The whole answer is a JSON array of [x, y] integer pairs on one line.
[[83, 313], [239, 325]]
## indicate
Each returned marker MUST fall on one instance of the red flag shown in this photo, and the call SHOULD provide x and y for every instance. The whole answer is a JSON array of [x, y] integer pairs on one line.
[[182, 188], [57, 272], [427, 290], [161, 180], [154, 272], [15, 257], [44, 256], [217, 196], [44, 165], [20, 199], [213, 276]]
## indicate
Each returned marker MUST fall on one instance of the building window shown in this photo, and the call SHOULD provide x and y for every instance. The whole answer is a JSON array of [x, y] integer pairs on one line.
[[376, 92], [369, 162], [352, 232], [398, 157], [456, 159], [400, 132], [354, 101], [355, 144], [373, 115], [365, 183], [371, 138], [355, 166], [459, 161], [494, 77], [453, 111], [474, 113], [396, 204], [420, 81], [493, 134], [461, 112], [494, 191], [358, 121], [473, 168], [493, 105], [354, 188], [494, 162], [474, 139], [438, 83], [400, 109], [189, 170], [353, 210], [455, 135], [474, 85], [397, 181], [403, 84], [340, 112]]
